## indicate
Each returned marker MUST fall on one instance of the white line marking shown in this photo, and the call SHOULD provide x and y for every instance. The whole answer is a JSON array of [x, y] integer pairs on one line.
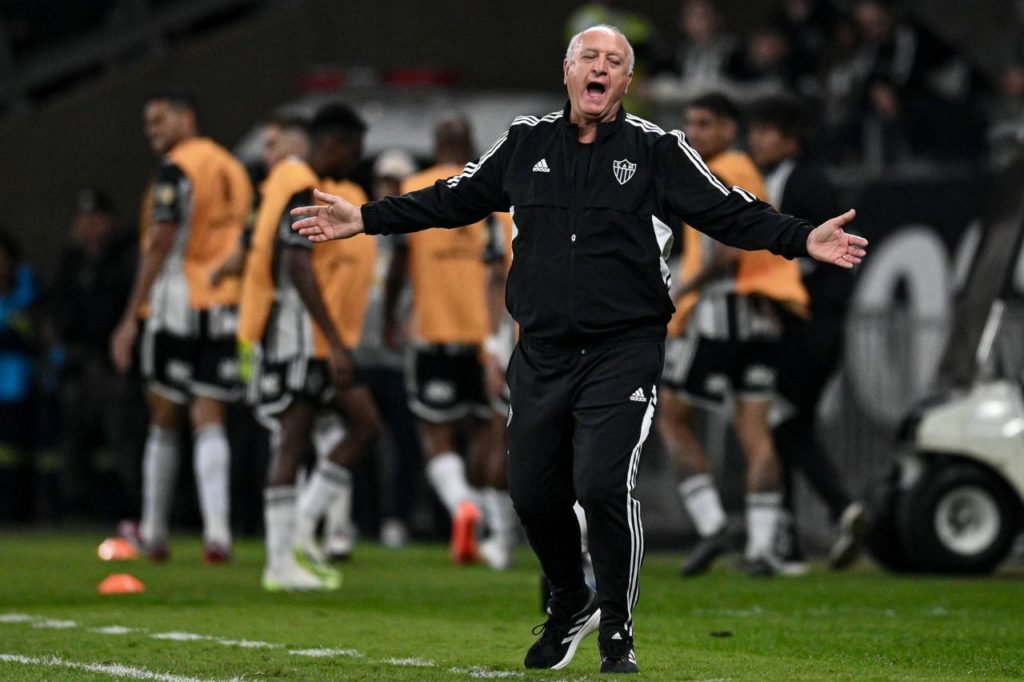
[[17, 618], [181, 636], [112, 669], [55, 624], [484, 673], [115, 630], [248, 644], [410, 662], [323, 652]]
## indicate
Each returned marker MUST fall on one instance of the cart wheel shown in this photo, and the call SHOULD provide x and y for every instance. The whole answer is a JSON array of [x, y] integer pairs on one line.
[[957, 518]]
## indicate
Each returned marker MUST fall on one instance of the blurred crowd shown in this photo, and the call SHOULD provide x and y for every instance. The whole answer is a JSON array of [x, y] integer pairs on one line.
[[850, 83], [885, 88]]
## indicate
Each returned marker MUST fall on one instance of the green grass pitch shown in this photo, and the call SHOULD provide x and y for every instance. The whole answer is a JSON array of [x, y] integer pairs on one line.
[[411, 615]]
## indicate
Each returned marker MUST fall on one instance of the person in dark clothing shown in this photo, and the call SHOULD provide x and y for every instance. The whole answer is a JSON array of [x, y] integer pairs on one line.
[[596, 195], [779, 128], [19, 302], [100, 410]]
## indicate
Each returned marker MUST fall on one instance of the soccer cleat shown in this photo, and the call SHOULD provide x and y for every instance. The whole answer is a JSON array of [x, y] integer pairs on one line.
[[562, 633], [761, 566], [309, 557], [215, 553], [497, 553], [157, 552], [704, 554], [617, 653], [292, 578], [850, 539], [464, 547], [338, 545]]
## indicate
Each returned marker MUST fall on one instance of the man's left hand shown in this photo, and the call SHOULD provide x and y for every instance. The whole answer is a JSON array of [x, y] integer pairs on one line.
[[830, 243]]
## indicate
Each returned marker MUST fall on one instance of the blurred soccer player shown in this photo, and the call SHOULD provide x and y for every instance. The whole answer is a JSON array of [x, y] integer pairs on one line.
[[779, 130], [198, 204], [451, 319], [723, 343], [302, 364]]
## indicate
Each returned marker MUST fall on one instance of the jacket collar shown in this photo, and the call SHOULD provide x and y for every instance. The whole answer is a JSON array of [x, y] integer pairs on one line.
[[603, 129]]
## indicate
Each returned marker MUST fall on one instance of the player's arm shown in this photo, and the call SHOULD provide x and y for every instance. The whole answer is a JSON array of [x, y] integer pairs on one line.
[[394, 280], [165, 217], [721, 263], [297, 261], [460, 200]]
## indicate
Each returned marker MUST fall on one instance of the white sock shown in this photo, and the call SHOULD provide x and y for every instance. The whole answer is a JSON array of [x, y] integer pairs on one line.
[[447, 474], [338, 515], [700, 497], [328, 433], [329, 482], [500, 515], [763, 511], [212, 463], [279, 521], [581, 517], [159, 472]]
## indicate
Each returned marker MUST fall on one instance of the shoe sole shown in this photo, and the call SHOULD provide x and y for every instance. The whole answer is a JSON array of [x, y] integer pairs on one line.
[[271, 586], [588, 628], [845, 553], [330, 577]]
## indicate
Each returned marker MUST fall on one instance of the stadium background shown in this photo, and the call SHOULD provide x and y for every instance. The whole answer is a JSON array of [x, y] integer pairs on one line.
[[70, 117]]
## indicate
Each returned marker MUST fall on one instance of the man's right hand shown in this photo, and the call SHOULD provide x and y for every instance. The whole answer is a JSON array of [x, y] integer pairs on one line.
[[336, 219], [342, 370]]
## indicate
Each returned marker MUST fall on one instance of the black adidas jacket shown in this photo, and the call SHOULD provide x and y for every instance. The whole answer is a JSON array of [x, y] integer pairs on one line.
[[590, 268]]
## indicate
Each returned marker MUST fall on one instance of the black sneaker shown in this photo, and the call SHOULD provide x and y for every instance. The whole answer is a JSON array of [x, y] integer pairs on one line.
[[850, 539], [617, 654], [704, 554], [761, 566], [561, 634]]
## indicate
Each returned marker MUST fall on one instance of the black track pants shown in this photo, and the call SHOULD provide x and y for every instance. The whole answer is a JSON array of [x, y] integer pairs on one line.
[[578, 423]]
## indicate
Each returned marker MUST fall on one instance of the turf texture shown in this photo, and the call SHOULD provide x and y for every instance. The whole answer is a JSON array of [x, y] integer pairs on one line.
[[411, 615]]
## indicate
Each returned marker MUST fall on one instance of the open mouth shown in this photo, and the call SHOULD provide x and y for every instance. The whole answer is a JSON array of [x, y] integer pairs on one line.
[[595, 89]]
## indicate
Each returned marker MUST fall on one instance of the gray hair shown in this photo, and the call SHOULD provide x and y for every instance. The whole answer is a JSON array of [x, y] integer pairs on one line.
[[604, 27]]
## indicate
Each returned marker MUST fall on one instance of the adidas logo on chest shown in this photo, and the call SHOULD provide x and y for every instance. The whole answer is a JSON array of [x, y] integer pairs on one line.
[[541, 166]]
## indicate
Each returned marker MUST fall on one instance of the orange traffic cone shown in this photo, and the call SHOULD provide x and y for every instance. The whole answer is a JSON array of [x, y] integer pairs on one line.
[[121, 583], [116, 549]]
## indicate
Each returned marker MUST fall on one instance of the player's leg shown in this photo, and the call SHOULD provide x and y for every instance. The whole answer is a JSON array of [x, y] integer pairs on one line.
[[331, 481], [437, 396], [215, 383], [166, 364], [211, 459], [287, 411], [489, 445], [764, 492], [691, 363]]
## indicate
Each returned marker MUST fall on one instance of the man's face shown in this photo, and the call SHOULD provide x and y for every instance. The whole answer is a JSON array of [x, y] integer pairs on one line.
[[336, 156], [710, 135], [165, 125], [597, 75], [273, 145], [91, 229], [768, 146]]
